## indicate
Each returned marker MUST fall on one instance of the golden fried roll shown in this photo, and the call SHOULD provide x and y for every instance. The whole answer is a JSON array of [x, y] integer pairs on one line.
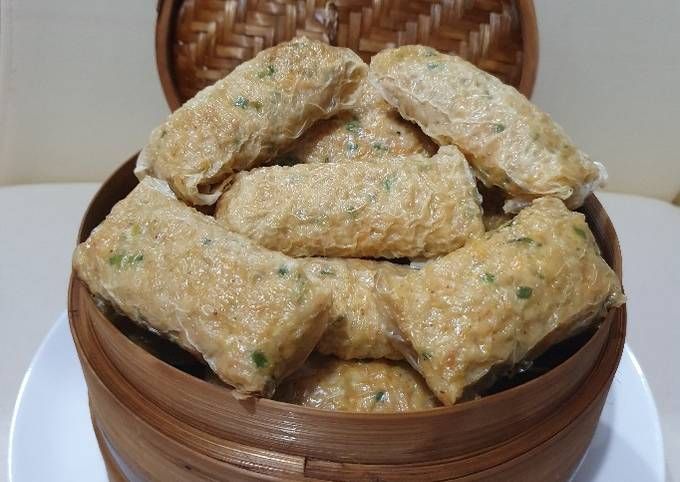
[[256, 111], [419, 207], [503, 298], [372, 129], [357, 386], [511, 144], [360, 323], [251, 313]]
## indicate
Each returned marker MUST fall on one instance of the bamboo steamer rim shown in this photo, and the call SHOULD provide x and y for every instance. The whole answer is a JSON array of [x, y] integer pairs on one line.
[[568, 418], [481, 36], [596, 215]]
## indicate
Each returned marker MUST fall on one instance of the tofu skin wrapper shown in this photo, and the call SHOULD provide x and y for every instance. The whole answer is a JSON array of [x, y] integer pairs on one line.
[[419, 207], [372, 129], [503, 298], [509, 141], [252, 314], [248, 117], [360, 325], [376, 386]]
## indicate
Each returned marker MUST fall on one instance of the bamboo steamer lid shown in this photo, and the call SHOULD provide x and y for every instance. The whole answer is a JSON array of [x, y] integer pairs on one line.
[[200, 41]]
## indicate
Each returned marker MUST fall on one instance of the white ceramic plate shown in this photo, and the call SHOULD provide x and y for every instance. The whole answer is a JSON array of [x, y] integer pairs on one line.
[[51, 437]]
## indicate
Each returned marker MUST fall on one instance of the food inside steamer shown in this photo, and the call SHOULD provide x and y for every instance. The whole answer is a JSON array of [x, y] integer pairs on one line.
[[248, 315]]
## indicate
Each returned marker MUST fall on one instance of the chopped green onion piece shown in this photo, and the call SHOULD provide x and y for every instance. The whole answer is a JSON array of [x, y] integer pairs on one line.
[[580, 232], [488, 278], [352, 147], [206, 241], [524, 292], [389, 181], [266, 72], [499, 128], [116, 260], [353, 125], [136, 258], [426, 355], [241, 102], [125, 260], [283, 270], [327, 272], [259, 359], [433, 65], [523, 240], [380, 147], [380, 396], [353, 212]]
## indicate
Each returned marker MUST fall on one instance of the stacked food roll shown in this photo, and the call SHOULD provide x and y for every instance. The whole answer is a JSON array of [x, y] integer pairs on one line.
[[384, 238]]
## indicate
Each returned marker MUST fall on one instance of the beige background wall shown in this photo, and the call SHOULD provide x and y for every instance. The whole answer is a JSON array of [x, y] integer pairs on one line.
[[79, 90]]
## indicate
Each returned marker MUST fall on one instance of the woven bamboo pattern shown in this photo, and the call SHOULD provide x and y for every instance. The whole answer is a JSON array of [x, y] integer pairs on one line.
[[208, 38]]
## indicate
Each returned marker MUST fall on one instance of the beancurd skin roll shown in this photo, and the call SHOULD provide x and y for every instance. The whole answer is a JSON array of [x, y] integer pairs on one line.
[[252, 314], [502, 298], [509, 141], [360, 323], [375, 386], [419, 207], [248, 117], [372, 129]]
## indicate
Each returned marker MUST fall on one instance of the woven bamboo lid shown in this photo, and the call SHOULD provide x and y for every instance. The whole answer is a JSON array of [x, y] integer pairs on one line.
[[200, 41]]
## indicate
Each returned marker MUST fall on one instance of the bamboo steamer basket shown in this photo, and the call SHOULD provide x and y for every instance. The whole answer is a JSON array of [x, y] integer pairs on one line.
[[154, 421]]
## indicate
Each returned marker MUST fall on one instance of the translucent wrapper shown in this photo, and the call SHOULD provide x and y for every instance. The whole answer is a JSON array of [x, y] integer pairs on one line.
[[511, 144], [420, 207], [357, 386], [248, 117], [372, 129], [359, 320], [503, 298], [252, 314]]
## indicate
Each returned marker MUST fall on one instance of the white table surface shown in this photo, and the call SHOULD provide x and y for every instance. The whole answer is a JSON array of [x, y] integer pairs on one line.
[[38, 225]]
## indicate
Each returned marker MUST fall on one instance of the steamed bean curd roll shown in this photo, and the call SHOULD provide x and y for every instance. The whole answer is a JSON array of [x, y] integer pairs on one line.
[[252, 314], [510, 142], [357, 386], [359, 323], [372, 129], [248, 117], [417, 207], [502, 298]]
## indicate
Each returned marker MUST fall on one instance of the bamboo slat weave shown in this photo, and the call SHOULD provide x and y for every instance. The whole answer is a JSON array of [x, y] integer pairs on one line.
[[201, 41]]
